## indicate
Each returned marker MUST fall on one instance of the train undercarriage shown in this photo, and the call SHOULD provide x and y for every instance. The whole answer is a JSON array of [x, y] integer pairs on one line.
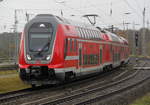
[[38, 75], [42, 75]]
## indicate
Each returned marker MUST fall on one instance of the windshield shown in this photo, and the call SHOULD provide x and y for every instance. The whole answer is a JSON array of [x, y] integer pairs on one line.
[[40, 36], [37, 41]]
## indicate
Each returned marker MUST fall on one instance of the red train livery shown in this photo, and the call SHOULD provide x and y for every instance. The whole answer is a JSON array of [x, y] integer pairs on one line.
[[55, 49]]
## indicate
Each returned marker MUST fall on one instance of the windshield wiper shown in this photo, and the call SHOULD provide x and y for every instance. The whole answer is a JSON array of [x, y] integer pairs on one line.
[[43, 48]]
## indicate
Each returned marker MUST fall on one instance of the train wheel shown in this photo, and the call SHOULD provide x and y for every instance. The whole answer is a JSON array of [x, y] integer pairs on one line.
[[69, 76], [33, 86]]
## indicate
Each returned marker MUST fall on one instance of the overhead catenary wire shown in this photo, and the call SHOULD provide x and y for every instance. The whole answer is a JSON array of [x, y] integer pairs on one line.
[[133, 9], [78, 12], [104, 14], [138, 5], [65, 5], [82, 13]]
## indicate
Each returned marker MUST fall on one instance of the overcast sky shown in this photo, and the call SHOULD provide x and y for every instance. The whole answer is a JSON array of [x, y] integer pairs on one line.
[[77, 8]]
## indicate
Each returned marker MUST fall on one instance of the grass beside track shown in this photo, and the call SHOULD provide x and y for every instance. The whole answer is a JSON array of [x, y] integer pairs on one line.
[[143, 101], [10, 81], [6, 72]]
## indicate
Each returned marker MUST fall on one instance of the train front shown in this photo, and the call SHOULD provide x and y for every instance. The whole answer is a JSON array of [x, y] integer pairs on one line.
[[36, 50]]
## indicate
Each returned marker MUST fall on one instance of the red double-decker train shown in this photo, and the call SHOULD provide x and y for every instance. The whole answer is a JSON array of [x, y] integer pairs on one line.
[[55, 49]]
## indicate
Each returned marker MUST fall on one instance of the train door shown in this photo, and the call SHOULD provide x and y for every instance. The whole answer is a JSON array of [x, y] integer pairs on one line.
[[80, 58], [113, 54], [101, 54]]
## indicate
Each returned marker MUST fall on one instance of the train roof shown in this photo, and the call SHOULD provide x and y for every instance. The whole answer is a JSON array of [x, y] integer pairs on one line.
[[105, 35], [63, 20], [113, 37]]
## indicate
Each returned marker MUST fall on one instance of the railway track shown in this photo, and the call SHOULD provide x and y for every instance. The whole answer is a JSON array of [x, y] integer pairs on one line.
[[110, 93], [95, 90], [8, 67], [57, 94], [77, 95], [11, 96], [16, 97], [73, 94]]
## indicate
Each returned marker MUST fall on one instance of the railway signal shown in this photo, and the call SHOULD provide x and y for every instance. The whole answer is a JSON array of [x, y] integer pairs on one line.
[[136, 42], [136, 39]]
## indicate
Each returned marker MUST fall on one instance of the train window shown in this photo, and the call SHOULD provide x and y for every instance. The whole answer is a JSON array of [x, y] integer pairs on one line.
[[70, 45], [85, 61], [37, 41], [88, 33], [93, 59], [84, 33], [78, 32], [75, 45], [81, 33], [101, 55], [80, 56], [94, 34], [112, 54], [79, 29], [91, 34], [90, 61], [97, 33], [66, 48]]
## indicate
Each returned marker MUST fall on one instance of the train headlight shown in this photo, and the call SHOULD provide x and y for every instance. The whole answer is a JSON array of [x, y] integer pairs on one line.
[[48, 57], [28, 57]]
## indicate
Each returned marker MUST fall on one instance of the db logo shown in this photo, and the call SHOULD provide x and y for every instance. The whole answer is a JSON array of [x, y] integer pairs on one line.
[[38, 62]]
